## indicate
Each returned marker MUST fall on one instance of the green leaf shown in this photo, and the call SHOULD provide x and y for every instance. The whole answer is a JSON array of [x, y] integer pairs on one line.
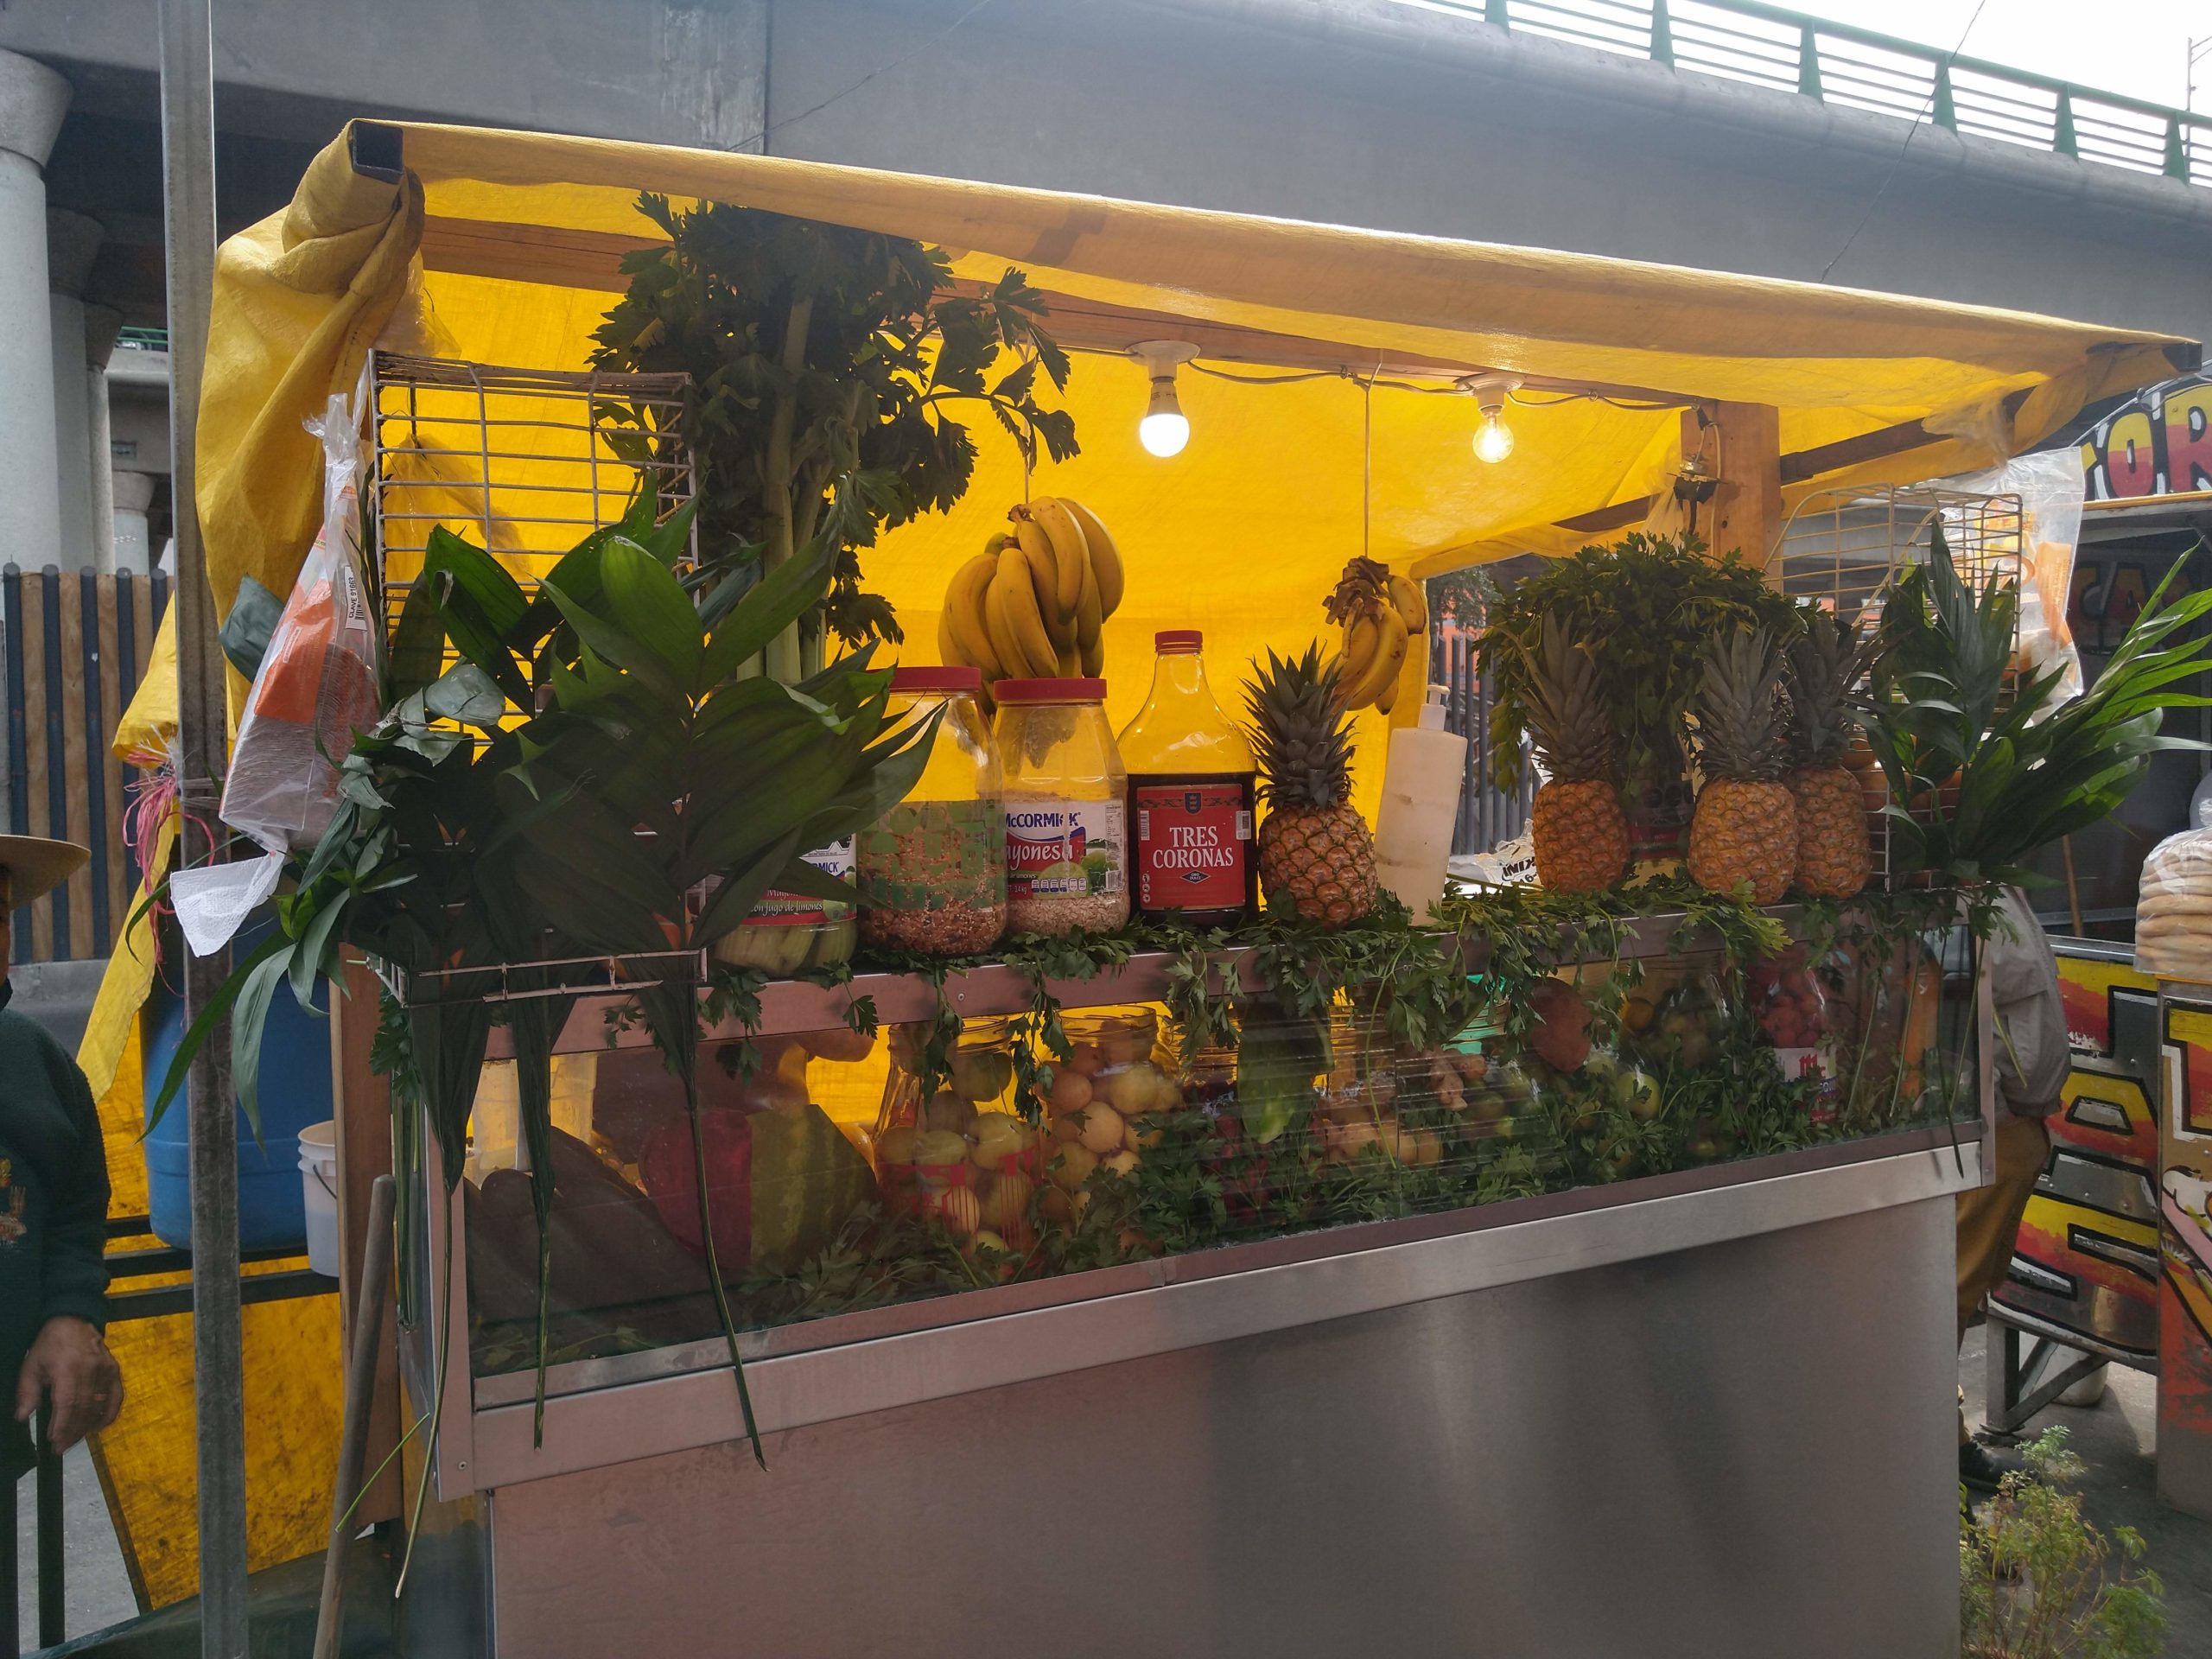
[[465, 693], [772, 605], [196, 1034], [650, 606]]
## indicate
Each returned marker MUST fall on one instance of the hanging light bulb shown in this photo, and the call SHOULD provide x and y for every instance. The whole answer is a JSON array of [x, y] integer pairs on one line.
[[1494, 442], [1494, 439], [1164, 429]]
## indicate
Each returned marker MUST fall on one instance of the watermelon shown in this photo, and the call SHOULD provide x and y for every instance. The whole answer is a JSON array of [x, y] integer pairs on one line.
[[807, 1180], [670, 1178]]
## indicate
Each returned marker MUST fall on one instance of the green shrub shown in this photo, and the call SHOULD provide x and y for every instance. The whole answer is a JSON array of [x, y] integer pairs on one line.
[[2033, 1579]]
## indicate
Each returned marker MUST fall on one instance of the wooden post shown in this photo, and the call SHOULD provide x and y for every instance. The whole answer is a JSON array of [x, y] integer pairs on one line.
[[1745, 515], [361, 1103]]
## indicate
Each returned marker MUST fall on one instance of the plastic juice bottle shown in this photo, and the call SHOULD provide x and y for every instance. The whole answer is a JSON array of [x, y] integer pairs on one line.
[[1421, 799], [1191, 778]]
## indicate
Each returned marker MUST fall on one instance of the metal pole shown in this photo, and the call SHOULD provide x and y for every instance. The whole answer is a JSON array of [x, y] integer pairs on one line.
[[188, 198]]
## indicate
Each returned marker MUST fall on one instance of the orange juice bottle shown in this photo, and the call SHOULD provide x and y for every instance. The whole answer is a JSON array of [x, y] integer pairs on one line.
[[1193, 854]]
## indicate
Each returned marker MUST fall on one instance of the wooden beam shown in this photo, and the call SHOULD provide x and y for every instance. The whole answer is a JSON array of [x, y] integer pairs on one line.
[[1745, 516], [362, 1104]]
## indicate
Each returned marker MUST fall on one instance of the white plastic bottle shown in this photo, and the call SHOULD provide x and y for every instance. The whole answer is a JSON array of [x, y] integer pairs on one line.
[[1420, 801]]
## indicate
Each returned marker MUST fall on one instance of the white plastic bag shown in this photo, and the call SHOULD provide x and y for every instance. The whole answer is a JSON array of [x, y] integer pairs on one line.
[[2173, 912], [316, 686], [2051, 488]]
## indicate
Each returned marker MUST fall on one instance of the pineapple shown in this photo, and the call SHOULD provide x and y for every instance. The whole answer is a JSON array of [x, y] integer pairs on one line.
[[1834, 858], [1745, 829], [1316, 852], [1581, 834]]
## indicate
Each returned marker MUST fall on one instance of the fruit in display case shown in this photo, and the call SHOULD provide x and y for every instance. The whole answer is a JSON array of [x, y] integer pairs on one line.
[[1576, 822], [1743, 834], [962, 1144], [1317, 855], [1559, 1033], [1690, 1015], [1381, 613], [1825, 665], [1032, 603]]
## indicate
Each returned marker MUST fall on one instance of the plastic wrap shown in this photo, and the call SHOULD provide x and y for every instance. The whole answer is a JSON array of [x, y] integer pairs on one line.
[[2173, 912], [316, 686], [2052, 491]]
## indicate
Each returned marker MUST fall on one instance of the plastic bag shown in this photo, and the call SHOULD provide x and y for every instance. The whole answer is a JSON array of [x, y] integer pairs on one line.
[[2051, 488], [317, 683], [2173, 912]]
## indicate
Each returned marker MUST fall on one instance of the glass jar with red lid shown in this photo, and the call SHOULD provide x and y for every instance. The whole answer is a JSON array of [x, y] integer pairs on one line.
[[1066, 814]]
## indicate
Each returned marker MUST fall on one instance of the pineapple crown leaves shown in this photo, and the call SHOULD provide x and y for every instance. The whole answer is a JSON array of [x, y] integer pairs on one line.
[[1740, 707], [1300, 737], [1568, 716], [1362, 590], [1823, 666]]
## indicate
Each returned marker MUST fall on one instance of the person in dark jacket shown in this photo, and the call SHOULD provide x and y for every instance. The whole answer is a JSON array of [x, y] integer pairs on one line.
[[52, 1206]]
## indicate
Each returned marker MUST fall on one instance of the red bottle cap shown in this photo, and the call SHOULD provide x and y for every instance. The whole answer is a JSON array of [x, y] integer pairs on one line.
[[1169, 641], [1049, 690], [950, 678]]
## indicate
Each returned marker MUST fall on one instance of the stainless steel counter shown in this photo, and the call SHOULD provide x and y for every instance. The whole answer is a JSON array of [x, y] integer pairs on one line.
[[1715, 1423]]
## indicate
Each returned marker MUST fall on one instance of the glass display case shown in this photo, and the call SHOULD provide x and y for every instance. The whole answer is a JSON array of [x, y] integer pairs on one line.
[[965, 1159]]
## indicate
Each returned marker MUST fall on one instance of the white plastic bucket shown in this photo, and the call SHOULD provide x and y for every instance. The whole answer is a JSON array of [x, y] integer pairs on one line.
[[318, 1191]]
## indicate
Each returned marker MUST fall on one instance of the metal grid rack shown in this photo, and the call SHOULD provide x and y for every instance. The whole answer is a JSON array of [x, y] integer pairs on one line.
[[524, 462], [1845, 548]]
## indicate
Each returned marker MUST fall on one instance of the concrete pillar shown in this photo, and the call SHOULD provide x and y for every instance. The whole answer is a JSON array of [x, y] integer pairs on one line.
[[33, 99], [72, 242], [102, 325], [134, 493]]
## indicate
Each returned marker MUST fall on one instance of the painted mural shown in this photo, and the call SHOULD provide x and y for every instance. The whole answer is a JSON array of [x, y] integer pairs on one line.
[[2158, 442], [2085, 1264]]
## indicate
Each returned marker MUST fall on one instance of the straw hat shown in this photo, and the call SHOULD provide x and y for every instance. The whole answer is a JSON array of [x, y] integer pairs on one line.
[[38, 866]]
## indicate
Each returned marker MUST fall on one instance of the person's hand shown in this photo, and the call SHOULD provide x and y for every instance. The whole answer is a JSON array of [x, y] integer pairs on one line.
[[70, 1363]]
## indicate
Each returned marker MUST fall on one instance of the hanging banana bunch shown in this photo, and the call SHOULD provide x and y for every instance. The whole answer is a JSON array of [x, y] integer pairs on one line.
[[1032, 603], [1381, 613]]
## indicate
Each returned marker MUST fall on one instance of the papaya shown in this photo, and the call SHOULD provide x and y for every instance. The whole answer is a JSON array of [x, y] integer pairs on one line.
[[807, 1179]]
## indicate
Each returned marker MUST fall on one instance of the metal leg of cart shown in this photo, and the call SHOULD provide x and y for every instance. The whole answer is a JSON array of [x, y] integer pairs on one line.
[[2021, 1379]]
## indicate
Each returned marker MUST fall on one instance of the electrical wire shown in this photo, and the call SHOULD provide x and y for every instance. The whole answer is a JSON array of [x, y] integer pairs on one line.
[[767, 132], [1898, 160]]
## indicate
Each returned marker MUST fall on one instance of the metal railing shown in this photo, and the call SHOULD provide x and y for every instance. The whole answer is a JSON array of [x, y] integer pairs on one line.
[[1841, 64]]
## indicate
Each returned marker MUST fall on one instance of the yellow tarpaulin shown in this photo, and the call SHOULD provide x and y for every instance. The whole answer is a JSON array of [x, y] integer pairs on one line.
[[504, 248], [516, 240]]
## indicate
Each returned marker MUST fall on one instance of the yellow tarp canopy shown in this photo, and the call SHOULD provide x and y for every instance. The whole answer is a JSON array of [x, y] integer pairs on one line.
[[504, 247]]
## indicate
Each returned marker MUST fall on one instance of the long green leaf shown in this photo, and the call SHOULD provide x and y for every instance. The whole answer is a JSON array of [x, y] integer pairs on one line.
[[650, 607], [772, 605], [196, 1034]]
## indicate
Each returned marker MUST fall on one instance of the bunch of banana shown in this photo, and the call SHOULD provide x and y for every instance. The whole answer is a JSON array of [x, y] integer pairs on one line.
[[1031, 605], [1381, 613]]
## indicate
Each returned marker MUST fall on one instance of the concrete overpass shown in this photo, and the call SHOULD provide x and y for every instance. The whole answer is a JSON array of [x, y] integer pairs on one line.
[[1430, 116]]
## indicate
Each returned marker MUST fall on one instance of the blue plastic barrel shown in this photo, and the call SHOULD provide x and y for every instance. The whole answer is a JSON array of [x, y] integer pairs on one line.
[[294, 1092]]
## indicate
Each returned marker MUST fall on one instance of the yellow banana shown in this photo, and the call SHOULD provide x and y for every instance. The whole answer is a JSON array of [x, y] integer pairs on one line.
[[1093, 657], [1071, 556], [1071, 663], [1388, 698], [1014, 613], [1043, 566], [1408, 600], [1363, 644], [963, 609], [1384, 668], [948, 648], [1105, 557], [1088, 617]]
